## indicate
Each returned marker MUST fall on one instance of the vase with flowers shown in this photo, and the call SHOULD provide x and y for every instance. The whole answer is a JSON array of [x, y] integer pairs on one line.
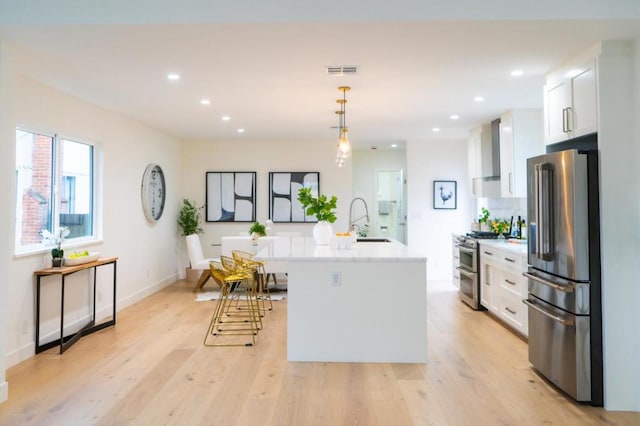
[[56, 238], [500, 226]]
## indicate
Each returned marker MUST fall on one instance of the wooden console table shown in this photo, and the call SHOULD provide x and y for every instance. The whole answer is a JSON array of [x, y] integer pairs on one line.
[[66, 341]]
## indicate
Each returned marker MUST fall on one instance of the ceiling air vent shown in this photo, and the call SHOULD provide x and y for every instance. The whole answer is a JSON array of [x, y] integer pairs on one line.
[[342, 70]]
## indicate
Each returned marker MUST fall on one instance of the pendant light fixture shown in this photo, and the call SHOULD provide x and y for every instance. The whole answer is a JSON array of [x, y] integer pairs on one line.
[[344, 146]]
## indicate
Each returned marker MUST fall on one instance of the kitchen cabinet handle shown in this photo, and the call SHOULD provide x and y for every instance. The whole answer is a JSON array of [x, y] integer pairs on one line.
[[510, 310], [568, 120], [488, 252], [564, 288], [563, 321], [509, 260], [510, 282], [564, 120]]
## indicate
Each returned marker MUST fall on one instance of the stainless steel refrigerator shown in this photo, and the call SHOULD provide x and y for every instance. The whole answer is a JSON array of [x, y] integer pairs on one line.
[[564, 300]]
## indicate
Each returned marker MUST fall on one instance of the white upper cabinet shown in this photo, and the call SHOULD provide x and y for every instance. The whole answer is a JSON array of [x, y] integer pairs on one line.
[[520, 138], [571, 102]]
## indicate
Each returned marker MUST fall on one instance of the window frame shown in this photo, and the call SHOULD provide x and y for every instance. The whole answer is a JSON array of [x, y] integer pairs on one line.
[[96, 176]]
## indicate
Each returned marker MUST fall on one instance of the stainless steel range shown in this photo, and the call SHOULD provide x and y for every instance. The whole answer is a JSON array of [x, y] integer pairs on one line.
[[468, 260]]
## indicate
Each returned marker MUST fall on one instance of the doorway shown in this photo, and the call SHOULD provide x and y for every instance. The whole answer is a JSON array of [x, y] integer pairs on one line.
[[390, 219]]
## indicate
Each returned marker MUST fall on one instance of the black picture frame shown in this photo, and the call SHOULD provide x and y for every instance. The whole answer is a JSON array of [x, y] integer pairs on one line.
[[230, 197], [445, 194], [284, 206]]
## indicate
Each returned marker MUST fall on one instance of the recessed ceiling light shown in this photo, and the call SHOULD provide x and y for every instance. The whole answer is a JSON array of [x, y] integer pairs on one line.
[[240, 130], [478, 99], [173, 76], [394, 145], [435, 129], [454, 116], [225, 118], [205, 102], [517, 73]]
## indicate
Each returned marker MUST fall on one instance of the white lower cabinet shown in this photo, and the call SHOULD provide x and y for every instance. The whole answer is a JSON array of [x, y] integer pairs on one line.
[[503, 287]]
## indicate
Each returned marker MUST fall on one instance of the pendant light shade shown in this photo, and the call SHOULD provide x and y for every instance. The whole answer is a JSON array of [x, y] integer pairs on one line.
[[344, 146]]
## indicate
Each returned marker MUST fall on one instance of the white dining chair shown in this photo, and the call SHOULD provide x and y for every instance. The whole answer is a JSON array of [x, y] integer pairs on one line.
[[199, 262]]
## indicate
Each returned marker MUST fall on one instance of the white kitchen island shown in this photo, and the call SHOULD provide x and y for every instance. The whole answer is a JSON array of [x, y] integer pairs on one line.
[[363, 304]]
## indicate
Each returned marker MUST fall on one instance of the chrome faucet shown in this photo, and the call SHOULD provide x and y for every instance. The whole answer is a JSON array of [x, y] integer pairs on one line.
[[352, 222]]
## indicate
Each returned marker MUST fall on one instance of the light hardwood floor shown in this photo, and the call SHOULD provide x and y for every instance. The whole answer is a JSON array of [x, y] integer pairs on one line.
[[152, 369]]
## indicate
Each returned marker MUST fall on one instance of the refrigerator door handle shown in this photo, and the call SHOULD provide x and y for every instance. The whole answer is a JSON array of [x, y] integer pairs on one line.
[[569, 288], [543, 211], [563, 321]]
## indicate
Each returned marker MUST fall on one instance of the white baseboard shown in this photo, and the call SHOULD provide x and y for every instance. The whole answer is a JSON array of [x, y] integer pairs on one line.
[[21, 354], [136, 297], [27, 351], [4, 391]]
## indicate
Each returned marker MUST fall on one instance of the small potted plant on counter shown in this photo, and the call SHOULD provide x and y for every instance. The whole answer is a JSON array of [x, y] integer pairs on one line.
[[257, 230], [323, 209], [483, 219], [56, 238]]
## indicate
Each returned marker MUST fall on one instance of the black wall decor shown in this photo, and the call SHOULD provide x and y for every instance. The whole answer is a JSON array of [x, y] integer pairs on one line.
[[231, 197], [283, 195]]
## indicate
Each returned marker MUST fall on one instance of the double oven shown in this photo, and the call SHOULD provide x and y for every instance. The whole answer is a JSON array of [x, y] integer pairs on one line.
[[466, 263]]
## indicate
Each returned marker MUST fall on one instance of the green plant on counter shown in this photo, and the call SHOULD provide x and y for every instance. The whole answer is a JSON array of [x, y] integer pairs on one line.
[[258, 228], [484, 217], [321, 207]]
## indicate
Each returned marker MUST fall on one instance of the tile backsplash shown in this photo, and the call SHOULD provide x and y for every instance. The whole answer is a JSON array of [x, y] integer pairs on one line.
[[502, 208]]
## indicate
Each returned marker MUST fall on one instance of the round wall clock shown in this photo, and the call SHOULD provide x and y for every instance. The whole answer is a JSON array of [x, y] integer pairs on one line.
[[153, 192]]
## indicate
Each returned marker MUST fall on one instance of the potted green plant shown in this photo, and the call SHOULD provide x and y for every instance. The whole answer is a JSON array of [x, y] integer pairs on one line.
[[56, 238], [189, 224], [323, 208], [189, 218], [257, 230], [483, 219]]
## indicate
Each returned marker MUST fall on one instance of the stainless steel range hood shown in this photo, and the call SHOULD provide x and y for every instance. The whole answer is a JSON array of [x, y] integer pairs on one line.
[[488, 185]]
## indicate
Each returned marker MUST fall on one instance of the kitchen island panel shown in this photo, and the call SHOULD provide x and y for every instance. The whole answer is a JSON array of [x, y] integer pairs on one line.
[[357, 311]]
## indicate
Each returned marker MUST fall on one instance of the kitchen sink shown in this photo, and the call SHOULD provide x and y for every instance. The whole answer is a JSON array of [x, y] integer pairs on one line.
[[373, 240]]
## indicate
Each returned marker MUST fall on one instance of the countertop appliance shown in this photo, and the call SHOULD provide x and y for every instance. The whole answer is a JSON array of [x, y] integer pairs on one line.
[[468, 259], [564, 300]]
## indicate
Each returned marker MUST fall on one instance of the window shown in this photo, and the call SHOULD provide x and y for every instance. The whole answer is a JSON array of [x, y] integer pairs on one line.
[[55, 187]]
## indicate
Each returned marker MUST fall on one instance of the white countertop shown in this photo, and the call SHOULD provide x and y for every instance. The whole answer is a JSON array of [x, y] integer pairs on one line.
[[293, 249], [513, 246]]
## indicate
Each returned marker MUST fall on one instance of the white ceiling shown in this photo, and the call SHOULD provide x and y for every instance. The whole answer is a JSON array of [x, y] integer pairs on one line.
[[267, 70]]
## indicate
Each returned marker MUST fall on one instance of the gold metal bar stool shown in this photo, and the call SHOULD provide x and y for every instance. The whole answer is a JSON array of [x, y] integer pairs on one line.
[[247, 259], [223, 323], [247, 287]]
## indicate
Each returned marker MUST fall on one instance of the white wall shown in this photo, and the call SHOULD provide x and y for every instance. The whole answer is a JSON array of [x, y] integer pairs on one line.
[[200, 157], [7, 167], [429, 230], [618, 76], [147, 252]]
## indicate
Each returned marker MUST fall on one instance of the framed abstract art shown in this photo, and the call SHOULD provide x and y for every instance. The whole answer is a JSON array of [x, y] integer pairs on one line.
[[230, 197], [283, 195]]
